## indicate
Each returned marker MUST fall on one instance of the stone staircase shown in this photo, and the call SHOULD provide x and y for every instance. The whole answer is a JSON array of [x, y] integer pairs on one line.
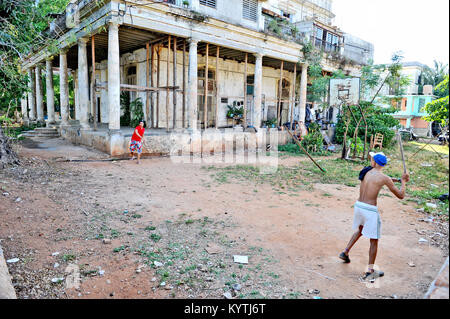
[[42, 132]]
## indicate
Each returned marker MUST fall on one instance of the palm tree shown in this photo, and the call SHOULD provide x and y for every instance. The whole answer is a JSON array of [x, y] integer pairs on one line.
[[435, 76]]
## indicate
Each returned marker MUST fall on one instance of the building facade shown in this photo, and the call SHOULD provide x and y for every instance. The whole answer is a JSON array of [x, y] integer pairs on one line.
[[187, 61]]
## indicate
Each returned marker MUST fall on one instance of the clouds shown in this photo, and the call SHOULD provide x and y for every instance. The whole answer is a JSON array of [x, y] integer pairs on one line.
[[418, 28]]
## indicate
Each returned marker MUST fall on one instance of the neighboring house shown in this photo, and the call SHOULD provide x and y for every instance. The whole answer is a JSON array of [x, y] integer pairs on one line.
[[233, 52], [412, 111], [417, 95]]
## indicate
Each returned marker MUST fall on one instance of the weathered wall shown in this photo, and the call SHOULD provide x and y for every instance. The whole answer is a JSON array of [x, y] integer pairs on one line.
[[231, 84]]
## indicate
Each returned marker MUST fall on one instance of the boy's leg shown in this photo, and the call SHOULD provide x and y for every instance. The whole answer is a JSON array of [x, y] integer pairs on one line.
[[372, 254], [139, 157], [353, 240]]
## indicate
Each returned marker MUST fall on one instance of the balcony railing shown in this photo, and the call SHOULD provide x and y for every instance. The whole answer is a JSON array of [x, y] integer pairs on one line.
[[326, 46], [180, 3], [283, 29]]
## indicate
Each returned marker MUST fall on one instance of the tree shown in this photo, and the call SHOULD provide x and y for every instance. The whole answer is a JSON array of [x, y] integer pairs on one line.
[[438, 109], [436, 75], [23, 29]]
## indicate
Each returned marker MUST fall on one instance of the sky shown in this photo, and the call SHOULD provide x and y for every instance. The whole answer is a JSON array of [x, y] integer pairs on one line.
[[420, 29]]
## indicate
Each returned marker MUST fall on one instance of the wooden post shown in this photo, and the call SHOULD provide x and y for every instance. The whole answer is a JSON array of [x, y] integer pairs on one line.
[[245, 91], [167, 89], [184, 83], [158, 83], [295, 96], [280, 89], [93, 97], [205, 115], [217, 89], [152, 78], [147, 82], [174, 81]]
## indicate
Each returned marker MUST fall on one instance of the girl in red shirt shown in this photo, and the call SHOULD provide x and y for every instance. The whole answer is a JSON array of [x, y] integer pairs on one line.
[[136, 141]]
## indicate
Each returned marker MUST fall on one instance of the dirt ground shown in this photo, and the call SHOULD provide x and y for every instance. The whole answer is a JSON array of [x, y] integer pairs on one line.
[[172, 232]]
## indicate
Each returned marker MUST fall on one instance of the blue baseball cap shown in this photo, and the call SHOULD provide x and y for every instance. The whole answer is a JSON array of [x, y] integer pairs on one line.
[[379, 158]]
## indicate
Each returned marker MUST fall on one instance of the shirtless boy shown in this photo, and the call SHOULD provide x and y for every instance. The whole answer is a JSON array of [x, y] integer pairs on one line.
[[367, 221]]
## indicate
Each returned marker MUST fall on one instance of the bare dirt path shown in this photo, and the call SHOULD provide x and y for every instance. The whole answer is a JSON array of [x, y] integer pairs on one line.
[[177, 214]]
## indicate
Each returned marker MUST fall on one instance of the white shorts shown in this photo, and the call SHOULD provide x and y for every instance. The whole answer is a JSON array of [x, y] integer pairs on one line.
[[367, 216]]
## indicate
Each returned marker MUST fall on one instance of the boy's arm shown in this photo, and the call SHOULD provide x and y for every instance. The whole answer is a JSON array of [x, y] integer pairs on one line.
[[400, 193]]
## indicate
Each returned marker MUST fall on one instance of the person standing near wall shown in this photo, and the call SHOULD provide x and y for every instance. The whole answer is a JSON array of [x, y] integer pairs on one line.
[[136, 141]]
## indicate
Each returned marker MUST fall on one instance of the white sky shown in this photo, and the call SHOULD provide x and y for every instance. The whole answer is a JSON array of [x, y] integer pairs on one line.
[[418, 28]]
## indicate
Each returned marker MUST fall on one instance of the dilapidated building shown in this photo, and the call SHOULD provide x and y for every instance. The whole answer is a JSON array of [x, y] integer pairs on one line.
[[190, 62]]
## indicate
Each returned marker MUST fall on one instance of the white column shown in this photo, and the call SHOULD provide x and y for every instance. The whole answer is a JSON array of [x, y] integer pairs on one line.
[[39, 95], [32, 94], [64, 88], [75, 93], [258, 90], [50, 91], [24, 107], [83, 84], [192, 84], [114, 76], [303, 92], [104, 110]]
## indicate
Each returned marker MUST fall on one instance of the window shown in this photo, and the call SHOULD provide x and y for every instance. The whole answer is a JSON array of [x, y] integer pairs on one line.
[[421, 105], [326, 40], [250, 10], [209, 3]]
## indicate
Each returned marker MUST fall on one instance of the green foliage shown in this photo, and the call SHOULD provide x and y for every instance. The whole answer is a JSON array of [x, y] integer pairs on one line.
[[274, 27], [379, 120], [436, 75], [23, 30], [137, 112], [438, 109], [125, 103], [234, 110], [313, 141], [370, 78], [359, 145], [271, 123]]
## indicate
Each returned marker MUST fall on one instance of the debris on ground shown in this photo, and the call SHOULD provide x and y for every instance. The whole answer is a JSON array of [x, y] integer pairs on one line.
[[240, 259]]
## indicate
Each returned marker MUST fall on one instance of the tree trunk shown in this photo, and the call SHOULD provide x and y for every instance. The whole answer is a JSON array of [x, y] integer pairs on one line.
[[7, 155]]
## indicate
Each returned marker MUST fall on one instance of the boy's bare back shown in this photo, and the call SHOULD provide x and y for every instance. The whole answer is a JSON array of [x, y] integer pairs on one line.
[[372, 184]]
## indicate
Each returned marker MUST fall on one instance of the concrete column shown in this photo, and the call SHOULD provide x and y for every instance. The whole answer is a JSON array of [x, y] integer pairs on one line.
[[83, 84], [39, 95], [50, 91], [64, 88], [258, 90], [303, 92], [104, 110], [32, 94], [24, 107], [113, 76], [75, 93], [192, 84]]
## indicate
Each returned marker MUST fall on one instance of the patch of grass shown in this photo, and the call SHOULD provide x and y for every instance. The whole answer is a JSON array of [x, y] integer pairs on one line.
[[155, 237], [150, 228], [115, 233], [68, 257], [119, 249], [189, 221], [136, 216]]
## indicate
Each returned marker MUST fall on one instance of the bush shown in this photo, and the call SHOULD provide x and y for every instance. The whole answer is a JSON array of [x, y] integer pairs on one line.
[[137, 113], [379, 120], [313, 141]]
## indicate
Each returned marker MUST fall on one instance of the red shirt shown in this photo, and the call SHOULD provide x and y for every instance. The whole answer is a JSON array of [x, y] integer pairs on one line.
[[141, 133]]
